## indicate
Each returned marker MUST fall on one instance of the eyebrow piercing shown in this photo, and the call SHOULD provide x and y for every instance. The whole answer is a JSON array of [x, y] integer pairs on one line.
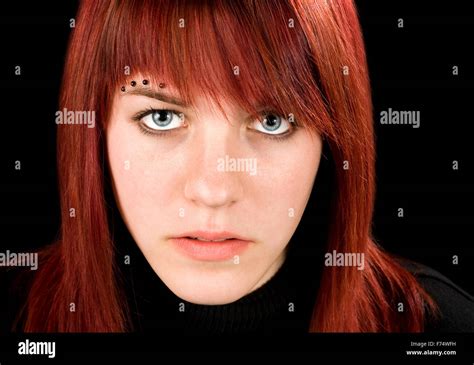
[[162, 85], [144, 82]]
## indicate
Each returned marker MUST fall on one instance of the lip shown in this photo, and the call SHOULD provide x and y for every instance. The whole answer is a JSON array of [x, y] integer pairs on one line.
[[208, 249]]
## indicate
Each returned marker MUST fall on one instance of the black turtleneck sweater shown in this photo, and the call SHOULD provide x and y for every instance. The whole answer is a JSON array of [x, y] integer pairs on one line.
[[282, 305]]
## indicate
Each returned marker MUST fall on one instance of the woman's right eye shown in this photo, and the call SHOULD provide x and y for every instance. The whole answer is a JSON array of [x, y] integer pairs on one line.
[[161, 119]]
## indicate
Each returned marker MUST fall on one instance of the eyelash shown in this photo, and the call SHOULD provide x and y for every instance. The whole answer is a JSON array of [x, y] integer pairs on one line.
[[137, 117]]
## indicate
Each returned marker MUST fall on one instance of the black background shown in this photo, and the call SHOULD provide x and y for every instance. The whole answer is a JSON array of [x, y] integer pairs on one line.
[[410, 69]]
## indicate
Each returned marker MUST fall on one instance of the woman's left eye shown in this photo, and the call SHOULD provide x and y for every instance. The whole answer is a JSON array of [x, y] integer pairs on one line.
[[271, 124], [161, 119]]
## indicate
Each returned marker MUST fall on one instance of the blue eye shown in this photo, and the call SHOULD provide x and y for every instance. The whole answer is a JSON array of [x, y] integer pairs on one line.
[[271, 124], [162, 119]]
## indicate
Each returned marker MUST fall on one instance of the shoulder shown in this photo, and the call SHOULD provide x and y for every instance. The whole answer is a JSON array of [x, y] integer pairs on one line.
[[455, 305]]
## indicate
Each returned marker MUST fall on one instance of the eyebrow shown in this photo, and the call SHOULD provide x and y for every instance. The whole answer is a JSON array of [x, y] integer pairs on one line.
[[158, 96]]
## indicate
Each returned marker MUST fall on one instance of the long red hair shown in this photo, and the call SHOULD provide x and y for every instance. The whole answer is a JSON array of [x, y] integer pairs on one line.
[[306, 57]]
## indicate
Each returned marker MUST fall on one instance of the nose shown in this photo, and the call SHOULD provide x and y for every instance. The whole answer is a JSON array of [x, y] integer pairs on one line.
[[207, 184]]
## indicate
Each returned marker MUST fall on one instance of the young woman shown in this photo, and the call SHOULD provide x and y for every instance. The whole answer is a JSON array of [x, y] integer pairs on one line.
[[228, 182]]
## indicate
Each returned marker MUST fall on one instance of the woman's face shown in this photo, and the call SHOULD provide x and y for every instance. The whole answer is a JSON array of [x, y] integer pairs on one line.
[[211, 202]]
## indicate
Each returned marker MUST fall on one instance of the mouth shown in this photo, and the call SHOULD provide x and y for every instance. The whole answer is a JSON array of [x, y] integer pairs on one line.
[[207, 240], [210, 246]]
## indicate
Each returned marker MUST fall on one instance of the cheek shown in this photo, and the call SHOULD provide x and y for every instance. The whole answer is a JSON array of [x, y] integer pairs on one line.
[[144, 180], [284, 184]]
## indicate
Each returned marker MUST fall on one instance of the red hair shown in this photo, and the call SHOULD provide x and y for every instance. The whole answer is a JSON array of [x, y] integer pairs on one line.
[[296, 56]]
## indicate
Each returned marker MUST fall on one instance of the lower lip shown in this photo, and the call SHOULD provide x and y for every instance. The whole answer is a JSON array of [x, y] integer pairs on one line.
[[210, 251]]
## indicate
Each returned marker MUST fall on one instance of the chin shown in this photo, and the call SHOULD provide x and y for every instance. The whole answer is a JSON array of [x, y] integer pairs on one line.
[[209, 288], [209, 297]]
